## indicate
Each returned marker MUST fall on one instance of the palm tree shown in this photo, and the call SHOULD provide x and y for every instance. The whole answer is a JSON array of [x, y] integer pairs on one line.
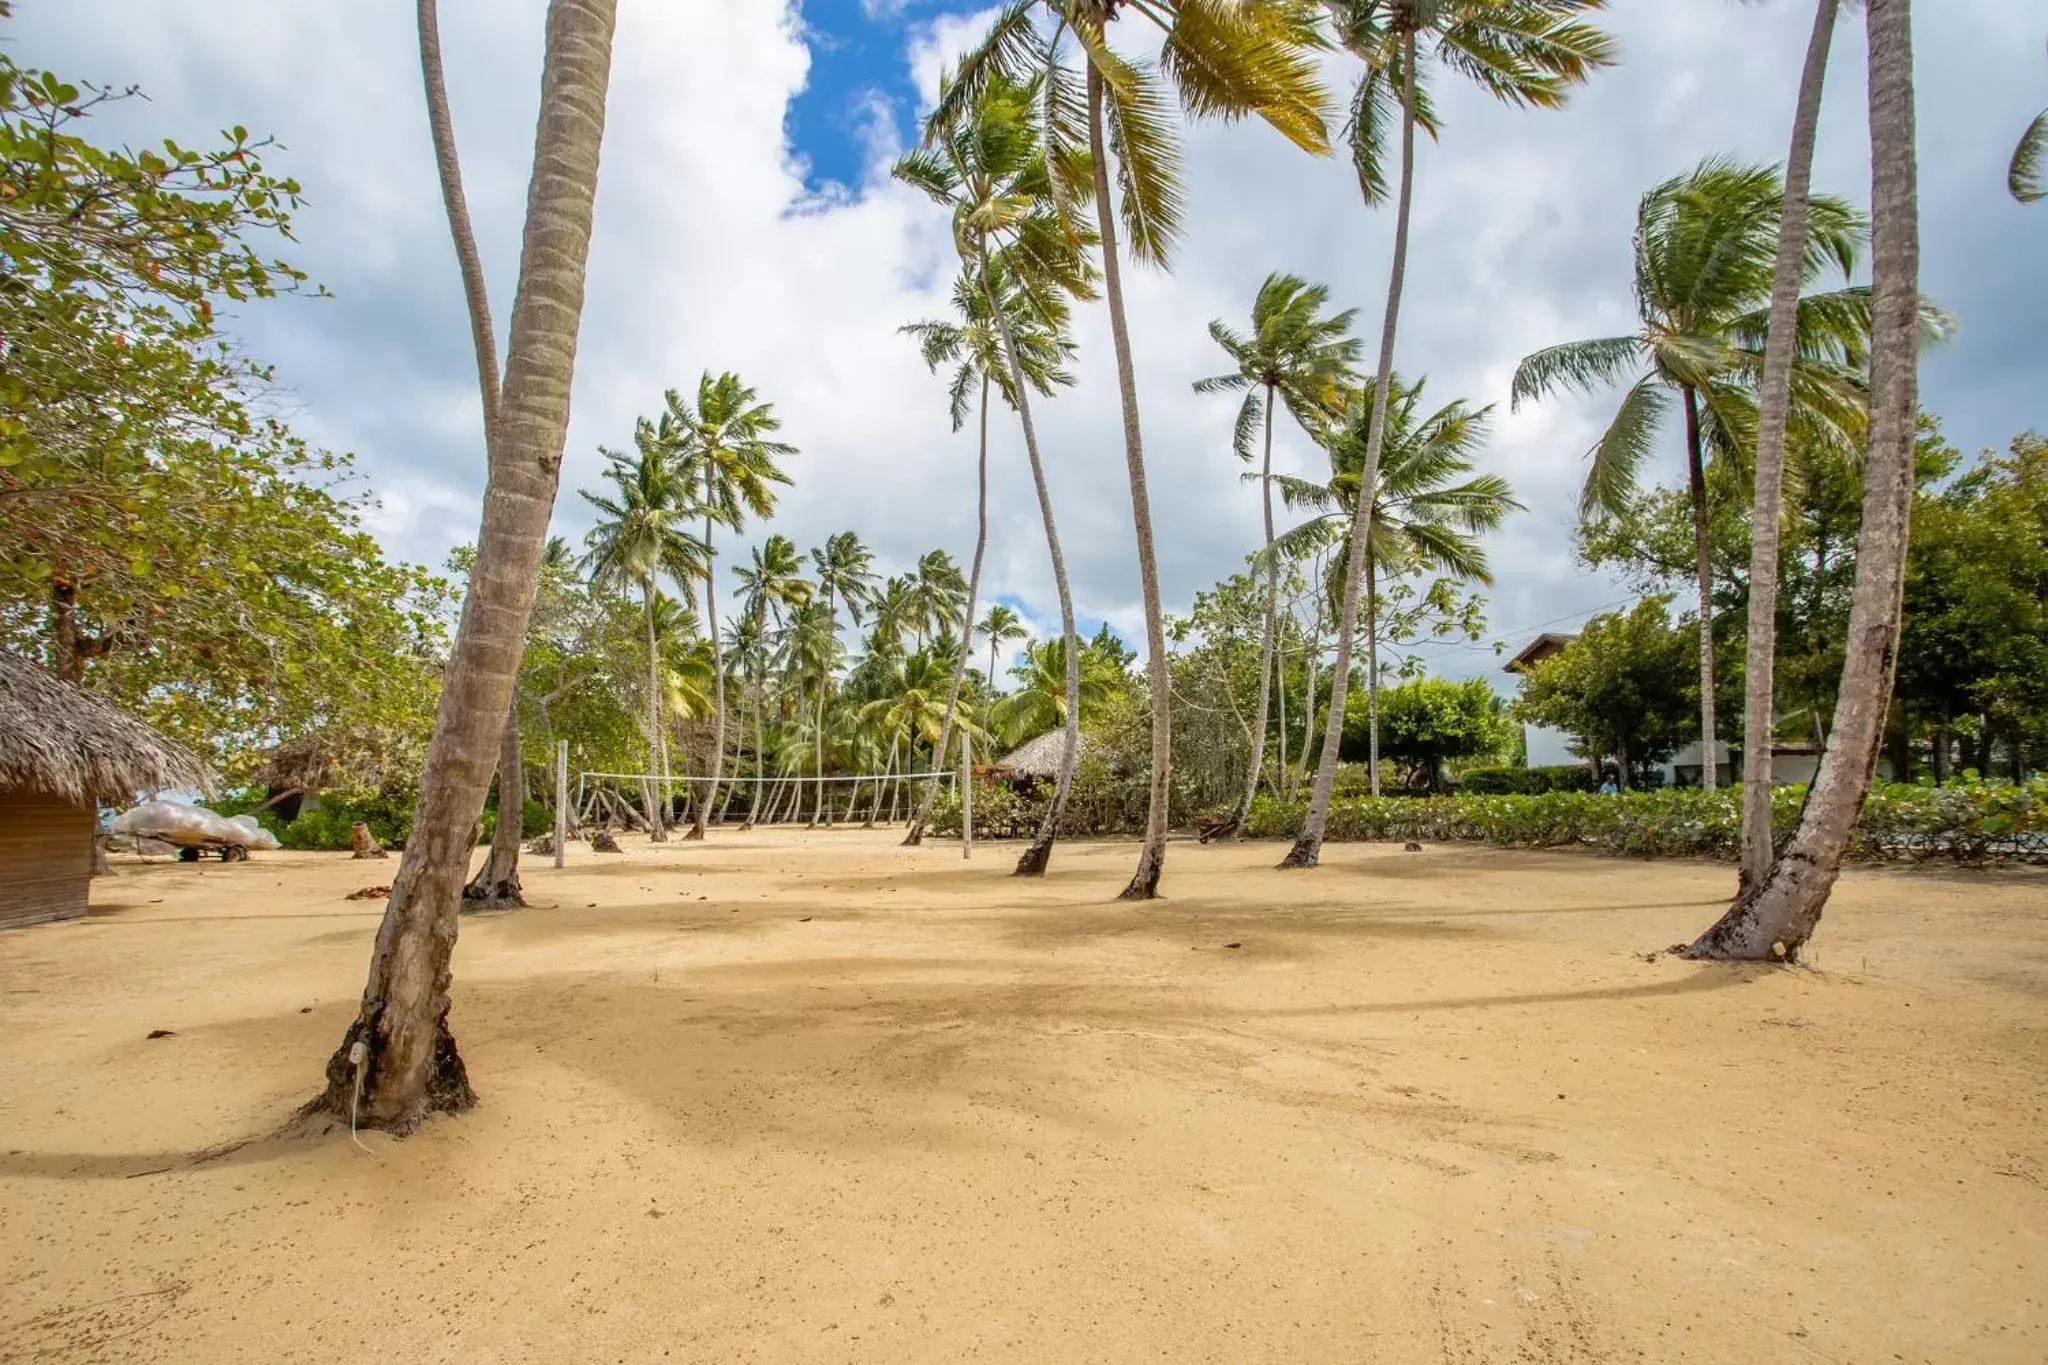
[[1774, 401], [642, 536], [1223, 60], [1040, 701], [2023, 177], [936, 593], [1706, 248], [398, 1059], [727, 452], [974, 348], [1428, 511], [1530, 52], [1297, 356], [810, 655], [1772, 919], [988, 166], [772, 584], [845, 572], [1000, 626]]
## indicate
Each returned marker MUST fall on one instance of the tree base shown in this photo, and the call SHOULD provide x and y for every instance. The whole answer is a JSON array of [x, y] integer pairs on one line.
[[695, 835], [603, 842], [915, 838], [1305, 853], [1145, 881], [447, 1091], [499, 895], [1033, 861]]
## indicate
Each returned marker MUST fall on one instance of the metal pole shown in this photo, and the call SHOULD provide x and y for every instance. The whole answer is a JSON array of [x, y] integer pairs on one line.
[[561, 799]]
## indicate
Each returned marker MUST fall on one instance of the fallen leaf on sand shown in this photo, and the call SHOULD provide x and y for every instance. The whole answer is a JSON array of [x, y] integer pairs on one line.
[[369, 893]]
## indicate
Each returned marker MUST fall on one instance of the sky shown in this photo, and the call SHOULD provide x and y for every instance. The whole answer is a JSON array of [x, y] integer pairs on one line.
[[746, 221]]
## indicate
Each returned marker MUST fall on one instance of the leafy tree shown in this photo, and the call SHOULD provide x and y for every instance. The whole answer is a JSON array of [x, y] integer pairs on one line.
[[1039, 702], [1296, 355], [771, 585], [1527, 53], [1428, 722], [1000, 626], [846, 575], [1622, 687]]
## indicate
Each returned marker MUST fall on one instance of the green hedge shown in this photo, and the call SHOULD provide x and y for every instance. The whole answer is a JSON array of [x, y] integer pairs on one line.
[[1966, 823], [1565, 777]]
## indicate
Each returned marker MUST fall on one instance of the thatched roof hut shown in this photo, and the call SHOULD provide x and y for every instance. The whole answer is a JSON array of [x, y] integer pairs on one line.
[[1039, 758], [61, 751]]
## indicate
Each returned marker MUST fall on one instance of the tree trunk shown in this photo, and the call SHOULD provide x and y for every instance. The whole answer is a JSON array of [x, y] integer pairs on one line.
[[657, 743], [398, 1060], [1312, 661], [1775, 918], [717, 665], [1372, 674], [896, 784], [1278, 780], [1038, 852], [818, 735], [1703, 574], [1940, 755], [1258, 754], [1308, 845], [1621, 762], [1759, 680], [931, 791], [966, 795], [496, 885], [1152, 854]]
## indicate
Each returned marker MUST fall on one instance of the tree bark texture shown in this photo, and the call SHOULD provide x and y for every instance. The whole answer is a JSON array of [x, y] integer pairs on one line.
[[1144, 882], [1308, 845], [1258, 753], [496, 884], [1775, 918], [1703, 577], [398, 1060], [703, 808]]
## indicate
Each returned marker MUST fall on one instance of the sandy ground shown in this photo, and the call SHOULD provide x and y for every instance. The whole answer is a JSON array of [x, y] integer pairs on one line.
[[789, 1098]]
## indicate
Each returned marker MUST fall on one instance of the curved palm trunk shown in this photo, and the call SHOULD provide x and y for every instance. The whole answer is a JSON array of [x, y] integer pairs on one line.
[[496, 885], [931, 791], [1759, 682], [398, 1060], [1152, 854], [1703, 578], [657, 742], [1372, 672], [1038, 853], [1775, 917], [703, 808], [818, 815], [1308, 845], [1258, 754], [1278, 781]]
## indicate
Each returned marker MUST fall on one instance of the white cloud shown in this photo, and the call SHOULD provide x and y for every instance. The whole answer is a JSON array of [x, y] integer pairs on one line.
[[710, 254]]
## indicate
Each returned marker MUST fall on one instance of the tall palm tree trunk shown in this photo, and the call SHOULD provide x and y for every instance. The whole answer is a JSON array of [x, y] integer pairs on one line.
[[1372, 673], [1278, 780], [1038, 853], [1152, 854], [760, 753], [1759, 682], [895, 782], [1703, 578], [1308, 845], [717, 668], [1775, 917], [398, 1060], [657, 742], [818, 816], [1258, 753], [496, 884], [931, 791]]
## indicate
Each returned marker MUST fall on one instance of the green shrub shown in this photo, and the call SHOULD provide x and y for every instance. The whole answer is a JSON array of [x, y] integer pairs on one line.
[[1967, 823], [1564, 777]]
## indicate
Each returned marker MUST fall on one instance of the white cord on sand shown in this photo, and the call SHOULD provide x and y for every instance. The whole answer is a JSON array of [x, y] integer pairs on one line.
[[358, 1053]]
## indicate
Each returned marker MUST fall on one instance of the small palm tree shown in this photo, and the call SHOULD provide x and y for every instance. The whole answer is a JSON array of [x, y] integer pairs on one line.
[[1000, 626], [936, 594], [641, 537], [846, 575], [1039, 703], [1428, 510], [811, 654], [770, 586], [727, 452], [1224, 60], [1524, 53], [1298, 356]]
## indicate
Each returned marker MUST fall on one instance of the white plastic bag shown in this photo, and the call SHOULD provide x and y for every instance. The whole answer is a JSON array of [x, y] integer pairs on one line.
[[190, 825]]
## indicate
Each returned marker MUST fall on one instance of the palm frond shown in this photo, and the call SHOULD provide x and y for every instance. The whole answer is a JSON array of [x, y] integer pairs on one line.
[[1617, 457], [1584, 366], [2023, 178]]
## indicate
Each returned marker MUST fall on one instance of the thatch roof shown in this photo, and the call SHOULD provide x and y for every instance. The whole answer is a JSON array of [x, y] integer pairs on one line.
[[1040, 757], [61, 739]]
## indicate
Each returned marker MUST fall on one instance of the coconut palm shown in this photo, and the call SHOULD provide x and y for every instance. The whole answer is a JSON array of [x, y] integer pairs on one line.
[[936, 593], [1774, 401], [846, 575], [1428, 511], [1706, 248], [642, 535], [987, 164], [729, 455], [2023, 177], [973, 346], [811, 654], [398, 1059], [1524, 53], [1772, 919], [1298, 356], [1223, 60], [771, 585], [1039, 703], [1000, 626]]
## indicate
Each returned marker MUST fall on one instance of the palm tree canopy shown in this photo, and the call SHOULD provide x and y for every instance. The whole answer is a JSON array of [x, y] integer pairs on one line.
[[1294, 350], [773, 583], [1525, 53], [1224, 59], [1000, 625], [642, 533], [726, 450], [1430, 508], [937, 592], [973, 343], [845, 570]]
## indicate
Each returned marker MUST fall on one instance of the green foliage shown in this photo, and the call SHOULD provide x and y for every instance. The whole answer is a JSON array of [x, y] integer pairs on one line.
[[1968, 823], [1563, 777], [1625, 686], [1428, 722], [323, 825]]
